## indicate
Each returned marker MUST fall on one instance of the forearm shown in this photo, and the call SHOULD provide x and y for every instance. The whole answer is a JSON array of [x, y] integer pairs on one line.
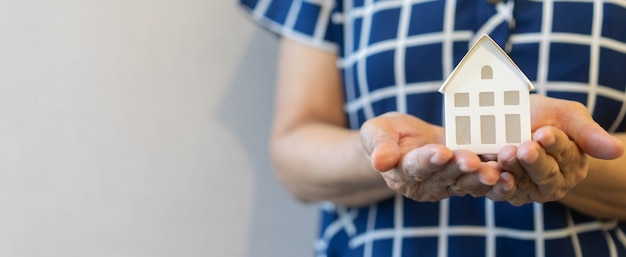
[[324, 162], [602, 194], [315, 156]]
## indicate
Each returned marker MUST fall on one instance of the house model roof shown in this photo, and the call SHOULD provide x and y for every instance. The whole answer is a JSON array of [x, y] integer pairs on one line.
[[485, 51]]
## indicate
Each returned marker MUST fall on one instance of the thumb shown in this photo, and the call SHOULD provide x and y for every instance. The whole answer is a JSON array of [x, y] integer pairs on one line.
[[386, 155], [588, 134], [596, 141], [381, 144]]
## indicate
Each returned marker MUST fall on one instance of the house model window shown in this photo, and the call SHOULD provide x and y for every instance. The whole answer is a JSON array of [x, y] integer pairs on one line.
[[486, 72], [486, 101]]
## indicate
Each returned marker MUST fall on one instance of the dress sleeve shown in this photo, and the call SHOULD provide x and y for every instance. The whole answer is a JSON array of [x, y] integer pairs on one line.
[[312, 22]]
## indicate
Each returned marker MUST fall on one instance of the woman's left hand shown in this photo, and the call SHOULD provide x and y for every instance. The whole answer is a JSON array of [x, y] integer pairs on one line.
[[544, 169], [556, 159]]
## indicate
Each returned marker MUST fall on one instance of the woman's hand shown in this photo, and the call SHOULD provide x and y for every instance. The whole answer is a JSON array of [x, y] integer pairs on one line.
[[413, 160], [544, 169], [556, 160]]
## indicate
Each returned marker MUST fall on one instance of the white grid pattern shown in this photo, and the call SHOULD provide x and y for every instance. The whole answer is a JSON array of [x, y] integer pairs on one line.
[[371, 223], [398, 221], [596, 29], [403, 30], [504, 13], [448, 29], [544, 38], [444, 209], [433, 231], [574, 236], [490, 231], [361, 63], [490, 225], [539, 230], [287, 29]]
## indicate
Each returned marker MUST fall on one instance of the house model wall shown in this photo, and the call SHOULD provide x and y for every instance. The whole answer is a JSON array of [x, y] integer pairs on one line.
[[486, 101]]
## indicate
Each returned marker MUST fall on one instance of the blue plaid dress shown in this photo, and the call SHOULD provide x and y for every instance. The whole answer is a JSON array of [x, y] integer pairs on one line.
[[394, 55]]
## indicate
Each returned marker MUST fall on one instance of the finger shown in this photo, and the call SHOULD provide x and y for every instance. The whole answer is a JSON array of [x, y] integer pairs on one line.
[[381, 144], [472, 183], [504, 189], [439, 175], [594, 140], [555, 142], [469, 183], [523, 186], [423, 161], [454, 183], [507, 159], [574, 119], [488, 157], [467, 161], [385, 155], [489, 173], [462, 162], [541, 168], [570, 158]]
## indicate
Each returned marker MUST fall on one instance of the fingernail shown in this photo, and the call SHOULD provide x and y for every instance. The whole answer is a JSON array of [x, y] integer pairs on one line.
[[532, 156], [485, 181], [508, 186], [511, 161], [509, 183], [438, 159], [529, 153]]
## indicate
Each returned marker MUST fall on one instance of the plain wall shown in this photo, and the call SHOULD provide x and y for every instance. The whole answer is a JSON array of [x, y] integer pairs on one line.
[[139, 128]]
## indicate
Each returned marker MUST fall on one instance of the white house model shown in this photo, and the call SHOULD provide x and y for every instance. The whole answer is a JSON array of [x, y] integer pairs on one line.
[[486, 101]]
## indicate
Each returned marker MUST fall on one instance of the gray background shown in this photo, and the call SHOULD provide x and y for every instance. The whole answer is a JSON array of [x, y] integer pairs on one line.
[[139, 128]]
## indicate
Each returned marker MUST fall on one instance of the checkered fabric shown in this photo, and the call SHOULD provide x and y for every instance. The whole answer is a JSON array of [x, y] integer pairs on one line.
[[395, 54]]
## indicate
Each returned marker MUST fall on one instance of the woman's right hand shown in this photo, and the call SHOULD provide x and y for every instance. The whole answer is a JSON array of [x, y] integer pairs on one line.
[[412, 157]]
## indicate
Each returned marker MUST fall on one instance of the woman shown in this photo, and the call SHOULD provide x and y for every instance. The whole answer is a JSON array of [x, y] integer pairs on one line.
[[358, 123]]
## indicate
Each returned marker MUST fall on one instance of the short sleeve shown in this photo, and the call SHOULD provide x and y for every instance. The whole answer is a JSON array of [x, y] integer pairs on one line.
[[307, 21]]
